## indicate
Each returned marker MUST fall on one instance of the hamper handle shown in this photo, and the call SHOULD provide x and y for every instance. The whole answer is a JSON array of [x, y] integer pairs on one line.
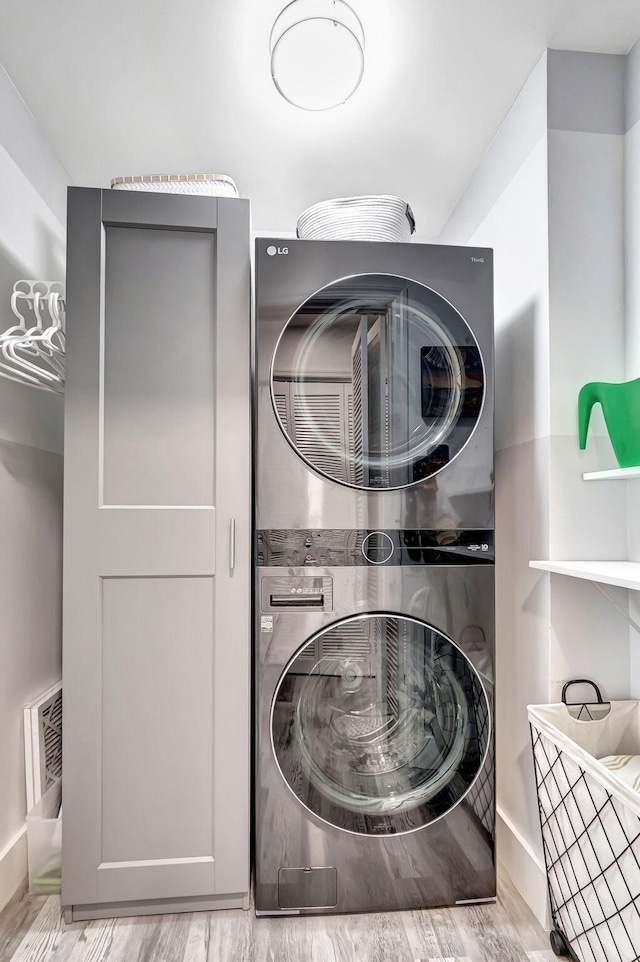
[[580, 681]]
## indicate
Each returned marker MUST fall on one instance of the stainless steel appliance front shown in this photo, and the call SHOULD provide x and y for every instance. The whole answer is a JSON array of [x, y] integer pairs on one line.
[[375, 579], [375, 776], [374, 375]]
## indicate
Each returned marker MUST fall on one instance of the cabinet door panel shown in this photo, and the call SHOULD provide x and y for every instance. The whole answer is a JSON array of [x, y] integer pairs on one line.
[[156, 619], [159, 367], [157, 706]]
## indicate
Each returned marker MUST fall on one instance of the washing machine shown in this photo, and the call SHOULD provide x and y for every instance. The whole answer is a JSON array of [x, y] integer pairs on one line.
[[374, 654]]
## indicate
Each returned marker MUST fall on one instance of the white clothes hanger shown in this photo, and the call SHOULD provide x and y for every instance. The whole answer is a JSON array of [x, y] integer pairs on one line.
[[34, 355], [13, 351], [11, 374], [47, 344], [22, 326]]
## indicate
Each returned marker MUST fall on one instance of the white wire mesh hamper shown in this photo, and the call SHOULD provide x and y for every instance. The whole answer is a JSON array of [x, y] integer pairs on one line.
[[590, 823]]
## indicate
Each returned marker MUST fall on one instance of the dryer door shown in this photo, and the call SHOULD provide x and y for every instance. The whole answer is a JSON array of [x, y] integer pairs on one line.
[[377, 381], [380, 724]]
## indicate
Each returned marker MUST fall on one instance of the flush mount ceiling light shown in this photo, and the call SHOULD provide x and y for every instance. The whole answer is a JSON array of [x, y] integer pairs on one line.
[[317, 53]]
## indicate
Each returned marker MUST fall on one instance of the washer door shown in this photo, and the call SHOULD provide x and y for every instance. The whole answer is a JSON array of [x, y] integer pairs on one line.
[[377, 381], [380, 724]]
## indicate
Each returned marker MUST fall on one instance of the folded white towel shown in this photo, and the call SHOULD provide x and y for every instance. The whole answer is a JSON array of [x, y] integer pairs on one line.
[[212, 185], [625, 767]]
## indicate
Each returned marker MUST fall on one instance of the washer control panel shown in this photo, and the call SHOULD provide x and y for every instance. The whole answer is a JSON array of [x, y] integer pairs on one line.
[[296, 593], [338, 548]]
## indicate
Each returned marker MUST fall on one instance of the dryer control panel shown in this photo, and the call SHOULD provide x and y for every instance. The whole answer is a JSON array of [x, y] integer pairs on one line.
[[296, 593]]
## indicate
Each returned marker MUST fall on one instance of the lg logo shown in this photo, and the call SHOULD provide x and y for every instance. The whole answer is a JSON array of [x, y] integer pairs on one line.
[[272, 251]]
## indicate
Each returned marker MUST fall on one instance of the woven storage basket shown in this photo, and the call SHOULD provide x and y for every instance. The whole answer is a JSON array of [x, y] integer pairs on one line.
[[381, 217], [590, 827], [212, 185]]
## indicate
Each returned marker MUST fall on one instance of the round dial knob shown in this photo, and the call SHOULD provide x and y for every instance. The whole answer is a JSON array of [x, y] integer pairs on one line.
[[377, 547]]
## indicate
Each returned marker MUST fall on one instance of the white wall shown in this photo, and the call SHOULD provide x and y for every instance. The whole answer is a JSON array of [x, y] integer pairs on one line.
[[549, 198], [588, 520], [632, 211], [32, 213], [632, 340], [505, 207]]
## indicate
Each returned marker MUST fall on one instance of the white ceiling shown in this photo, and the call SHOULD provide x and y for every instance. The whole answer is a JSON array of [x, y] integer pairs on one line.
[[164, 86]]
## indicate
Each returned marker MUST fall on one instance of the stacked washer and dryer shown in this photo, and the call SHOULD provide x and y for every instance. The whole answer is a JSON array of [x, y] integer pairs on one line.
[[374, 772]]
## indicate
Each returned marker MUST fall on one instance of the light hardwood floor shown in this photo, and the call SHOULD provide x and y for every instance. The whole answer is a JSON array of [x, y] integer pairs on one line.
[[31, 930]]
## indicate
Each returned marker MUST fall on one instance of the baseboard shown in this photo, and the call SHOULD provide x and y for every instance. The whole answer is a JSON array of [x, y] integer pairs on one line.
[[13, 866], [526, 870], [110, 910]]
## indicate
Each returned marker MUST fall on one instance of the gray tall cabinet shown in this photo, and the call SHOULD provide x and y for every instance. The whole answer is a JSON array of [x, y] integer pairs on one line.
[[157, 554]]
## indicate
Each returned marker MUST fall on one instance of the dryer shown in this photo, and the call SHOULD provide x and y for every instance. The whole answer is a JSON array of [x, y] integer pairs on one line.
[[374, 374], [374, 659]]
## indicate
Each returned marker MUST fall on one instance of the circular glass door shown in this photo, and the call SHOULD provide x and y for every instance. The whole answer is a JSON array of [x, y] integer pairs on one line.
[[377, 381], [380, 724]]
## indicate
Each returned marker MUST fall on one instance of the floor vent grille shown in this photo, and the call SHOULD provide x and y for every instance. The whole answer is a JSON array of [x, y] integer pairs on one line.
[[43, 743]]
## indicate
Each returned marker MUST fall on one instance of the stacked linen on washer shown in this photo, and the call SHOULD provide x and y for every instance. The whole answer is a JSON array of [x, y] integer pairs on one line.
[[378, 217]]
